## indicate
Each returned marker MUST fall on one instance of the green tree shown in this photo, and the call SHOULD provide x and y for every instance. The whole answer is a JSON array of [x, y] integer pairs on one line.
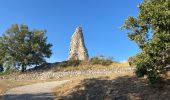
[[151, 31], [22, 47]]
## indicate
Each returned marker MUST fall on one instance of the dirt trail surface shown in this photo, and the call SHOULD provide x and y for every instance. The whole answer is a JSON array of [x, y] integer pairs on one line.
[[38, 91]]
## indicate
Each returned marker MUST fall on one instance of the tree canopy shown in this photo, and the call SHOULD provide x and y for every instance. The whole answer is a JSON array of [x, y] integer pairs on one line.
[[22, 47], [151, 31]]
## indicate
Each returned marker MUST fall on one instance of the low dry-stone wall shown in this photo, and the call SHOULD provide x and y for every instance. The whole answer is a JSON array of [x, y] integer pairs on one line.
[[34, 75]]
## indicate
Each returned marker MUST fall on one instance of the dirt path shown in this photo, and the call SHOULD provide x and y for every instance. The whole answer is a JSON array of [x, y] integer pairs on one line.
[[38, 91]]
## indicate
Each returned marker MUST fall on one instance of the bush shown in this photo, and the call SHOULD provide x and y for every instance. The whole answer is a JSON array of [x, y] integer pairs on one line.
[[101, 60], [136, 60], [153, 77], [70, 63], [141, 70], [132, 61]]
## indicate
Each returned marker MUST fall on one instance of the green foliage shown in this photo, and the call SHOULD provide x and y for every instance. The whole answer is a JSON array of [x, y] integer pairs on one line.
[[22, 47], [137, 59], [153, 19], [141, 70], [8, 62], [153, 76], [101, 60]]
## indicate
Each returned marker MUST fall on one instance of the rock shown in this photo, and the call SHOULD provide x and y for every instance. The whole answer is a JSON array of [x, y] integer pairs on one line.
[[78, 50]]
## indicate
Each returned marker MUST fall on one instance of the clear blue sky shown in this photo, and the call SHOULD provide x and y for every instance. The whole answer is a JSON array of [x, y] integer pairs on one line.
[[100, 19]]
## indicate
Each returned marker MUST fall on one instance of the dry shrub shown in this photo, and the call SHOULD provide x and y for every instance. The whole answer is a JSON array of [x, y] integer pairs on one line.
[[101, 60]]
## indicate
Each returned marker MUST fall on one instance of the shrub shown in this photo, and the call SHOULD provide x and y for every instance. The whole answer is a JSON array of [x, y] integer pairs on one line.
[[141, 70], [101, 60], [132, 61], [136, 60], [153, 76], [70, 63]]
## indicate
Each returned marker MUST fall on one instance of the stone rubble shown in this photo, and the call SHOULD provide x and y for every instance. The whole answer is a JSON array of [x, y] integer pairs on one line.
[[57, 75]]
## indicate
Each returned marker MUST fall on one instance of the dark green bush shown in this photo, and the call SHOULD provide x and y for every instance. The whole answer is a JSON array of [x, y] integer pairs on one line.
[[141, 70], [153, 77], [101, 60], [70, 63]]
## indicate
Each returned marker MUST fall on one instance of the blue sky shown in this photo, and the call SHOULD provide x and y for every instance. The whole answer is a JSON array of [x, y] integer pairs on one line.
[[100, 19]]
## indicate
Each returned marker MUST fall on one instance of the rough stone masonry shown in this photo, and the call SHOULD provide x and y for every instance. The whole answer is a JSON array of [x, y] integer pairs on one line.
[[78, 50]]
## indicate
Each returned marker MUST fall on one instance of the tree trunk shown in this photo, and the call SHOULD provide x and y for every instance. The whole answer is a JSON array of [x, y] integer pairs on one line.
[[23, 68]]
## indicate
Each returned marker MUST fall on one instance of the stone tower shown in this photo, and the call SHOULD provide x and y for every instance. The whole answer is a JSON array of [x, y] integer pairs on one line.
[[78, 51]]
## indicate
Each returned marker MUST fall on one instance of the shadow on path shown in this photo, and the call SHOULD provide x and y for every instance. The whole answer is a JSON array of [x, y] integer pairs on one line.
[[40, 96]]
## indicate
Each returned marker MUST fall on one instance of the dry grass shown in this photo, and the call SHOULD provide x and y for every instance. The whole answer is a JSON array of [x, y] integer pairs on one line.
[[91, 67], [76, 84], [112, 87], [121, 64]]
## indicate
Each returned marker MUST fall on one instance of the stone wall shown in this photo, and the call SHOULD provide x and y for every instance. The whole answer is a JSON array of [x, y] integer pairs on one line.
[[44, 75]]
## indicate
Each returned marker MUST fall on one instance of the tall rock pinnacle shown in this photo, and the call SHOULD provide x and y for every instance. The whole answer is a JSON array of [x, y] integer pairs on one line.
[[78, 50]]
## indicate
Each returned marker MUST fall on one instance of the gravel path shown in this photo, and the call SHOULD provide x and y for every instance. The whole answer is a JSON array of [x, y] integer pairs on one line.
[[38, 91]]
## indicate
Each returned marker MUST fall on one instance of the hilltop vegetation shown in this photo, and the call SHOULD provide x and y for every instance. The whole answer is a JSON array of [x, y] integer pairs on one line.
[[95, 63]]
